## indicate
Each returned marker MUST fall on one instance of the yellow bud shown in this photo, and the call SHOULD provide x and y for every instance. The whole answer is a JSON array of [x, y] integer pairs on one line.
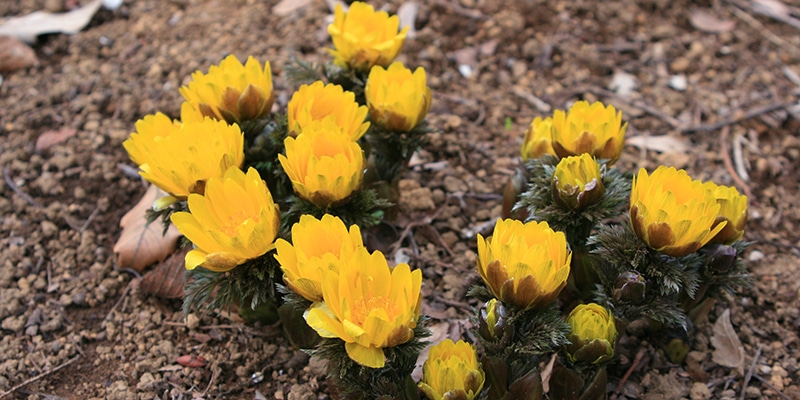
[[594, 334], [577, 182]]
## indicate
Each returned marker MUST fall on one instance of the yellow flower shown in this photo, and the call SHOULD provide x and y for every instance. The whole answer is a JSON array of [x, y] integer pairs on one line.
[[593, 334], [235, 221], [367, 305], [526, 265], [179, 158], [589, 128], [232, 92], [363, 37], [317, 245], [538, 139], [324, 165], [320, 102], [452, 372], [673, 213], [398, 99], [577, 182], [733, 209]]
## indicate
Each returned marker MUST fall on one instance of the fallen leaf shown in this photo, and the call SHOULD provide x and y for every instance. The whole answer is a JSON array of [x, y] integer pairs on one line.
[[141, 244], [661, 144], [703, 20], [15, 55], [50, 138], [728, 350], [439, 332], [28, 27], [286, 7], [167, 278], [771, 8], [192, 361], [408, 17]]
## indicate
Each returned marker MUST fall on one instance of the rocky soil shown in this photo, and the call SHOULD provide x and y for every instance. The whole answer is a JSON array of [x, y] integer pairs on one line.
[[709, 86]]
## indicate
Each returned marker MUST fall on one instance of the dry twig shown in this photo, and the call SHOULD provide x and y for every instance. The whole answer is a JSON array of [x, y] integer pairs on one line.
[[760, 28], [749, 373], [726, 159], [40, 376], [634, 365], [17, 190], [742, 116]]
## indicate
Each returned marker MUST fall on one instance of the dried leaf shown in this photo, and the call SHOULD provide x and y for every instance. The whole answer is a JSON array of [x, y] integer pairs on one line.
[[50, 138], [439, 332], [771, 8], [15, 55], [728, 350], [28, 27], [408, 17], [703, 20], [192, 361], [661, 144], [286, 7], [167, 279], [141, 244]]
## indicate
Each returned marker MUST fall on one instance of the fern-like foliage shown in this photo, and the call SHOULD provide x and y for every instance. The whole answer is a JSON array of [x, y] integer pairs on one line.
[[354, 381]]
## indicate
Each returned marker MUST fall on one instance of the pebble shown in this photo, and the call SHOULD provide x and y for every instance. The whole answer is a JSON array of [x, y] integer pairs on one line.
[[755, 256], [699, 391], [192, 321], [679, 82], [145, 381]]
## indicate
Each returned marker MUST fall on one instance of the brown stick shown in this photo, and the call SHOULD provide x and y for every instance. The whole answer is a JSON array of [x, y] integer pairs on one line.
[[726, 159], [40, 376], [749, 373], [741, 117], [17, 190], [636, 361]]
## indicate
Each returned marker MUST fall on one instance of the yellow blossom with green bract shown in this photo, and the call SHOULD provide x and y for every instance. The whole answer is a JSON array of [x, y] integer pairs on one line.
[[672, 213], [363, 37], [320, 102], [232, 92], [577, 182], [317, 245], [732, 210], [367, 305], [526, 265], [235, 221], [594, 334], [593, 128], [538, 138], [398, 99], [452, 371], [180, 157], [323, 163]]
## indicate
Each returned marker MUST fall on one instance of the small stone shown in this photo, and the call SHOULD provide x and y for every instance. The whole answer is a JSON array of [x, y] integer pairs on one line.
[[753, 392], [755, 256], [192, 321], [699, 391], [49, 229], [680, 64], [53, 324], [678, 82], [13, 323], [79, 298], [145, 381], [453, 184]]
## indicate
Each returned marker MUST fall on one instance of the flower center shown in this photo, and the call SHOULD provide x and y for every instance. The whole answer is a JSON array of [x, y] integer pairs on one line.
[[363, 307], [231, 224]]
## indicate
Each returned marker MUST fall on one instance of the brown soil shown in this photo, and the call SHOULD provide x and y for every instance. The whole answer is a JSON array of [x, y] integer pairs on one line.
[[63, 304]]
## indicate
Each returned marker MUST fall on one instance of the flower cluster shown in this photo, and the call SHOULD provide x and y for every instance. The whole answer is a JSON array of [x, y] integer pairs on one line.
[[356, 297]]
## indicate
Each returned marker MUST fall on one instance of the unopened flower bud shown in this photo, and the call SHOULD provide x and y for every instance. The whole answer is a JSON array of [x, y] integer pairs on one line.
[[721, 258], [577, 182], [629, 287], [593, 334], [492, 320]]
